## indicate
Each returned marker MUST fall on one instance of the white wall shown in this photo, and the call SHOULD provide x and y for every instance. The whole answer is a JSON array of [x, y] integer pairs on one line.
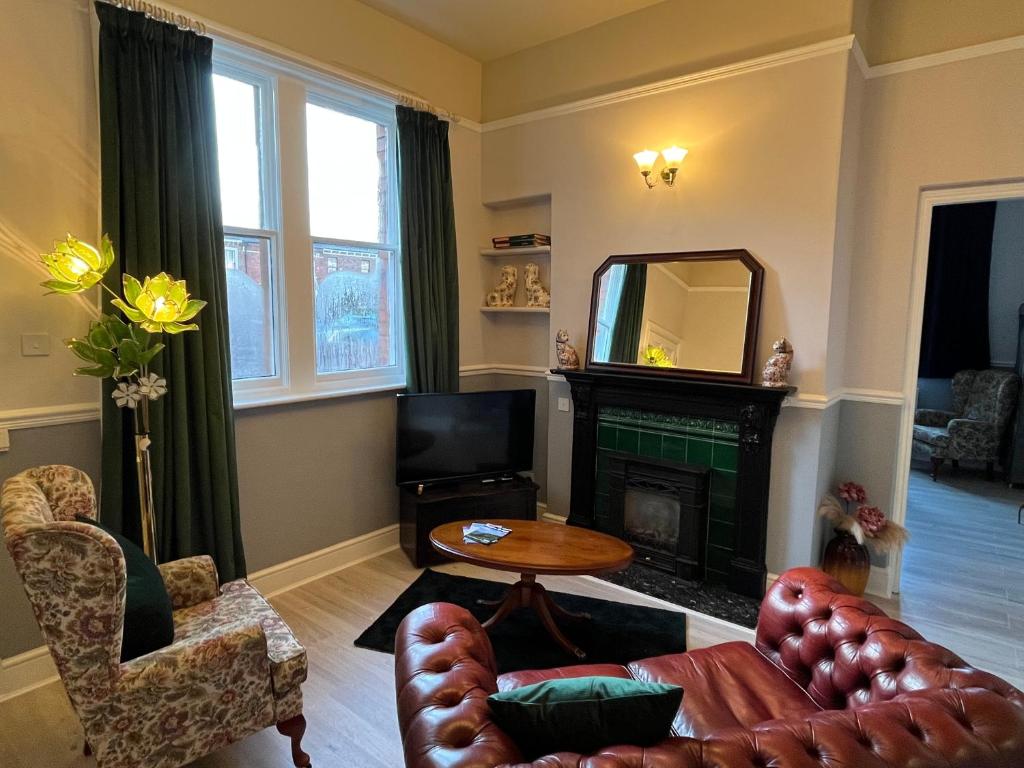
[[1006, 283]]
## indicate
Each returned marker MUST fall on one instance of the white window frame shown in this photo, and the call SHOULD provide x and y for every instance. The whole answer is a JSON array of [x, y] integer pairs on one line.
[[350, 102], [294, 303], [270, 213]]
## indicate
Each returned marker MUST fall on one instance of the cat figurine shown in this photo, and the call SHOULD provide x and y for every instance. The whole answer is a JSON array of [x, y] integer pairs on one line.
[[536, 294], [776, 370], [505, 291], [566, 352]]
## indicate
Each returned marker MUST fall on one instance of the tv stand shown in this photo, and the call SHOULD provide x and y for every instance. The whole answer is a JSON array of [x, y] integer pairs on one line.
[[423, 508]]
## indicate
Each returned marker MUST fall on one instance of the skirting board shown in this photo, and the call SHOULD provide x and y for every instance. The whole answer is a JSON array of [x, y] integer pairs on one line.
[[32, 669]]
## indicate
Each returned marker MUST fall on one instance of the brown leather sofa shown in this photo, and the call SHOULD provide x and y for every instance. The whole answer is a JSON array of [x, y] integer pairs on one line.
[[832, 682]]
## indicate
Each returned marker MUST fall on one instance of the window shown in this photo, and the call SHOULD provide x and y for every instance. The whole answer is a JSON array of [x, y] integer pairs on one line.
[[354, 274], [313, 280], [241, 103]]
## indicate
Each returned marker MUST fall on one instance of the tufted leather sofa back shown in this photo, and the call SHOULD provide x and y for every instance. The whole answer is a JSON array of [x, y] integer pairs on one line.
[[846, 653]]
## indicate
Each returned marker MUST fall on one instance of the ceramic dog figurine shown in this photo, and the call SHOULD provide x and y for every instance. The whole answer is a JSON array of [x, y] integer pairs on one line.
[[505, 291], [566, 352], [536, 294], [776, 370]]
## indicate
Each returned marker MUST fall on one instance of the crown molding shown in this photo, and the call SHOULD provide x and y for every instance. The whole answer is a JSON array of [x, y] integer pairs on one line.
[[675, 83], [947, 57]]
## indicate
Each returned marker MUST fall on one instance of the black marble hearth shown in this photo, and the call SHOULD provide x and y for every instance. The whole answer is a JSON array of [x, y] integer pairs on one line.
[[710, 599]]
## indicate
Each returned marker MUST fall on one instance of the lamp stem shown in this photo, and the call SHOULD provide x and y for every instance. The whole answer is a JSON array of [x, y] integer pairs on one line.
[[144, 472]]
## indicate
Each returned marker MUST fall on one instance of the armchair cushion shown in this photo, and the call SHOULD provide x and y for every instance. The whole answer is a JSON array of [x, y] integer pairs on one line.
[[148, 619], [583, 714], [936, 437]]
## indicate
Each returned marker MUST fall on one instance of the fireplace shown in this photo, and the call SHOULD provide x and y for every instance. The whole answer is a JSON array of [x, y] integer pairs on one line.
[[641, 447], [661, 509]]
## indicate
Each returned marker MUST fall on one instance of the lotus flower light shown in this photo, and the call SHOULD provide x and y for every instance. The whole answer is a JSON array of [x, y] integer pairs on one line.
[[159, 304], [77, 266]]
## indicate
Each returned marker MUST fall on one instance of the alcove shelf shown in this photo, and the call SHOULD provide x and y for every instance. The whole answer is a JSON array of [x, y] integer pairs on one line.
[[540, 250], [536, 310]]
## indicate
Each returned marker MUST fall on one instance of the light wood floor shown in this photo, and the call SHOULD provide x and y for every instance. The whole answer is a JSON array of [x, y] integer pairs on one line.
[[349, 697], [963, 570]]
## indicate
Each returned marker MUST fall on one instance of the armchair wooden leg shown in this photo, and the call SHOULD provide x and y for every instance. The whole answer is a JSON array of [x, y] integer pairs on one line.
[[936, 463], [956, 466], [990, 470], [86, 749], [293, 729]]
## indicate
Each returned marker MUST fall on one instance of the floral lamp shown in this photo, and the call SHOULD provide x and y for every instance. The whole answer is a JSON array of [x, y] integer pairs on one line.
[[122, 350]]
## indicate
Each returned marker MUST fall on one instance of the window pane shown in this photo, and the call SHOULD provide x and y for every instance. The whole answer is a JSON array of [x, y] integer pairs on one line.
[[353, 289], [250, 306], [347, 176], [238, 151]]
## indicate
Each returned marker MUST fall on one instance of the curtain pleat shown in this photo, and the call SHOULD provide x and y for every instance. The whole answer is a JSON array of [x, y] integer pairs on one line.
[[625, 341], [161, 207], [430, 272]]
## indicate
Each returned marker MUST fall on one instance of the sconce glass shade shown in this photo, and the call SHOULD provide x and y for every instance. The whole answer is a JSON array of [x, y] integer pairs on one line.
[[673, 156], [645, 160]]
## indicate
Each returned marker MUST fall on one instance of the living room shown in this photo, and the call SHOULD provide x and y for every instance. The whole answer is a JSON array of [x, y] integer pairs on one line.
[[819, 139]]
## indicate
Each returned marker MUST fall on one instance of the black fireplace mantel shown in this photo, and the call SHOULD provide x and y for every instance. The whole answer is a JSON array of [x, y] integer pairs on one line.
[[753, 408]]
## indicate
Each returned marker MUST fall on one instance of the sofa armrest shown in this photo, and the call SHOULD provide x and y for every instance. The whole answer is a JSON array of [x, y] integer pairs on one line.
[[931, 417], [190, 580], [970, 728], [444, 672], [972, 439]]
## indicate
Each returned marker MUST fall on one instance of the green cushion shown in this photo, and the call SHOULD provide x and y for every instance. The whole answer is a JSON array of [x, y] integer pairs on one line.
[[584, 714], [148, 614]]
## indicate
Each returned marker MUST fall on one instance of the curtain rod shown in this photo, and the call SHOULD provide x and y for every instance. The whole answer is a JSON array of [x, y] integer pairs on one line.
[[155, 12]]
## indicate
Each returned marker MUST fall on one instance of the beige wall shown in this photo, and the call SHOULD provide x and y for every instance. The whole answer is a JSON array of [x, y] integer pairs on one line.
[[762, 174], [892, 30], [664, 40]]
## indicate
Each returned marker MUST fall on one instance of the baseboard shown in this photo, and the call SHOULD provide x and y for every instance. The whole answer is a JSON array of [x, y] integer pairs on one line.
[[306, 568], [32, 669], [25, 672], [549, 517]]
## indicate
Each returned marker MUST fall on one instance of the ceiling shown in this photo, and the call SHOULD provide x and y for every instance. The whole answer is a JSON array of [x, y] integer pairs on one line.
[[490, 29]]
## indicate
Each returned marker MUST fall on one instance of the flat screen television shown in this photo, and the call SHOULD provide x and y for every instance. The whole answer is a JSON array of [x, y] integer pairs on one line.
[[444, 437]]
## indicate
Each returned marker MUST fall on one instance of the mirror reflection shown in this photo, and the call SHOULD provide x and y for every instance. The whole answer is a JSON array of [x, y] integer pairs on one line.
[[689, 314]]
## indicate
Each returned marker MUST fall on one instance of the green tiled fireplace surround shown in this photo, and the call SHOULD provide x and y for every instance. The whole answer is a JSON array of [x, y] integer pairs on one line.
[[684, 440]]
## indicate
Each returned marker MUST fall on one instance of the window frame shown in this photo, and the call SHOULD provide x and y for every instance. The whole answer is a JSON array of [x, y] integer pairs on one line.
[[265, 83], [350, 102], [288, 225]]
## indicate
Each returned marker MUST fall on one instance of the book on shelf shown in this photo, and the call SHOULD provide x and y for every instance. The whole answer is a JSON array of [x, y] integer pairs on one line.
[[521, 241]]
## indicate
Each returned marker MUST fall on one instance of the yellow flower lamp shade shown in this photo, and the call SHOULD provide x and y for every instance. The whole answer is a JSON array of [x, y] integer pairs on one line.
[[76, 266], [159, 304]]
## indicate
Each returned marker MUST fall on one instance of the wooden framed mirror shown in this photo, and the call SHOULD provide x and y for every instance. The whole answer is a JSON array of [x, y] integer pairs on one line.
[[692, 315]]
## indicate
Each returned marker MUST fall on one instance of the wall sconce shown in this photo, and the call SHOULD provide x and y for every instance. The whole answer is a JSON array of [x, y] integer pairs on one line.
[[646, 159]]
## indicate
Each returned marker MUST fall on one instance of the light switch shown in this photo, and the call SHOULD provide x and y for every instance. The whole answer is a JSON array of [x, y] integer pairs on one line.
[[563, 403], [35, 344]]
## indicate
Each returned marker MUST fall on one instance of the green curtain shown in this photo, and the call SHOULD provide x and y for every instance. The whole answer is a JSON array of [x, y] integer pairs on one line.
[[161, 207], [430, 271], [625, 343]]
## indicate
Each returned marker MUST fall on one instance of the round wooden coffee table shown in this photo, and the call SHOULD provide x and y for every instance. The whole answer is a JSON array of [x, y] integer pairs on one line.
[[535, 548]]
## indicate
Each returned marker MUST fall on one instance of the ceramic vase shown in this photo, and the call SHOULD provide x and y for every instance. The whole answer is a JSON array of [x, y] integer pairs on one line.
[[847, 562]]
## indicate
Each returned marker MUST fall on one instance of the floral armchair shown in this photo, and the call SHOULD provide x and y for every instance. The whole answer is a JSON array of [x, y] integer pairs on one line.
[[983, 406], [234, 666]]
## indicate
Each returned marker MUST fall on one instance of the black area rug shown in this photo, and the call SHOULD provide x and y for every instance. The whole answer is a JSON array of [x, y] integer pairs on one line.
[[617, 633]]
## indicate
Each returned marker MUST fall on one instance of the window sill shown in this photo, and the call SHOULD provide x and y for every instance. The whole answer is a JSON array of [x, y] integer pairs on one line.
[[244, 401]]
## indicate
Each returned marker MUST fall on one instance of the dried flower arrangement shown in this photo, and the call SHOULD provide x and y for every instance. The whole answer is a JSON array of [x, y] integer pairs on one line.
[[868, 524]]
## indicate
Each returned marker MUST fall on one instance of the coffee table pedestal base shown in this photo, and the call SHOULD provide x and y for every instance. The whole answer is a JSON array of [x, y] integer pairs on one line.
[[527, 593]]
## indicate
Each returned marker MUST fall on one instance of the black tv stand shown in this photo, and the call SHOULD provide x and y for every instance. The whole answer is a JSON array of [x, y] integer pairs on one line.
[[423, 508]]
